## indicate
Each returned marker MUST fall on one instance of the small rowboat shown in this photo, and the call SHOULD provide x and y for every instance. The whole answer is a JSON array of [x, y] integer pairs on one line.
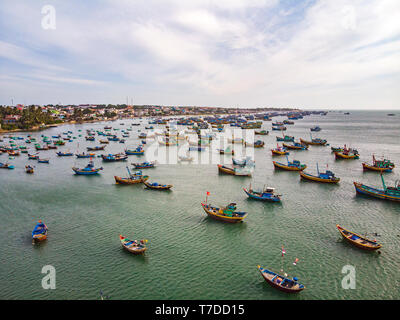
[[226, 214], [357, 240], [104, 141], [43, 160], [29, 169], [157, 186], [280, 282], [133, 246], [326, 177], [291, 166], [39, 233], [315, 129], [267, 194]]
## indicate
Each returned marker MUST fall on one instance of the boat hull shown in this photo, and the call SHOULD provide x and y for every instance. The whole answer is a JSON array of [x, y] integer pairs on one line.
[[277, 286], [340, 155]]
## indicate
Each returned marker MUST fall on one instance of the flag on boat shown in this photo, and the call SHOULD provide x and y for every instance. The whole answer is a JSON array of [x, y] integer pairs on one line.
[[208, 193], [283, 251], [295, 261]]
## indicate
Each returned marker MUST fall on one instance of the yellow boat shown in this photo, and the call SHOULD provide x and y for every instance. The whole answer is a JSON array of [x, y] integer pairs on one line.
[[224, 214], [327, 177], [291, 166], [359, 241]]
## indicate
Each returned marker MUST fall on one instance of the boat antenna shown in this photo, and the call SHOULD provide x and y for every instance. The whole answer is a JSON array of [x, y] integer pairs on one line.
[[317, 169]]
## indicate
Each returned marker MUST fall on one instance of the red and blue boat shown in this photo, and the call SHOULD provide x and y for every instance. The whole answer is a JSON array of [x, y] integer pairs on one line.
[[39, 233]]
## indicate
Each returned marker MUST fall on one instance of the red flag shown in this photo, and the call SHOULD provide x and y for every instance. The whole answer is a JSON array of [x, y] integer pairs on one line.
[[208, 193], [295, 261], [283, 251]]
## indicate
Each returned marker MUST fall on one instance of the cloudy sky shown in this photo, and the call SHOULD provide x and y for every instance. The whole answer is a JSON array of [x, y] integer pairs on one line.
[[241, 53]]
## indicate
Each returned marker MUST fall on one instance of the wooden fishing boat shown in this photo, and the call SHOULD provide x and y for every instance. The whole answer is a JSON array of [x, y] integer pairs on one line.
[[232, 171], [39, 233], [346, 155], [33, 156], [135, 178], [133, 246], [131, 179], [295, 146], [157, 186], [85, 155], [138, 151], [88, 170], [388, 193], [248, 161], [104, 141], [285, 138], [279, 128], [261, 133], [257, 144], [144, 165], [383, 165], [314, 142], [90, 138], [43, 160], [315, 129], [280, 282], [325, 177], [295, 165], [226, 214], [6, 166], [64, 154], [279, 151], [358, 240], [337, 149], [267, 194], [29, 169], [114, 157], [96, 148]]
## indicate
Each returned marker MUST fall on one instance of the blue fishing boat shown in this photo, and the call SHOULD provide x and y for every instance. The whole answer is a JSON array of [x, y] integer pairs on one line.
[[88, 170], [285, 138], [144, 165], [39, 233], [96, 148], [85, 155], [267, 194], [387, 193], [295, 165], [326, 177], [315, 129], [6, 166], [64, 154], [114, 157], [138, 151], [43, 160]]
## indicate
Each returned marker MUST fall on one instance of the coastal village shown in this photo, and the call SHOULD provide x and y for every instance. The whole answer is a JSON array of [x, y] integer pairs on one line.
[[34, 117]]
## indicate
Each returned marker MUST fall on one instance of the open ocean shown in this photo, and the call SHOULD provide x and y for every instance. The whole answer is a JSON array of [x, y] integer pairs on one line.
[[191, 256]]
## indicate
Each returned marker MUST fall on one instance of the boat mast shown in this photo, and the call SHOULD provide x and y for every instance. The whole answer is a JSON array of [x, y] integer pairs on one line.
[[317, 169], [383, 182]]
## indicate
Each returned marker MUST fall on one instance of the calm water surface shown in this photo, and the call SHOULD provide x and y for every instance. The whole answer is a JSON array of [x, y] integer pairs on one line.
[[191, 256]]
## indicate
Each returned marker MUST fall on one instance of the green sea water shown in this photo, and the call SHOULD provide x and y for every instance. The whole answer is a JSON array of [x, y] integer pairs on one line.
[[191, 256]]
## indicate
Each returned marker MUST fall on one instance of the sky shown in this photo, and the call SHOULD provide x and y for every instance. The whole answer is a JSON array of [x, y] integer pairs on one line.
[[313, 54]]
